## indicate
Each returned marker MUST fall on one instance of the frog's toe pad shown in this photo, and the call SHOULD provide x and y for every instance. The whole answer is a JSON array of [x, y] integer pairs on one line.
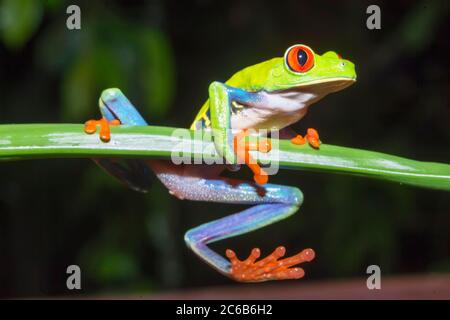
[[312, 137], [90, 127], [269, 268], [298, 139]]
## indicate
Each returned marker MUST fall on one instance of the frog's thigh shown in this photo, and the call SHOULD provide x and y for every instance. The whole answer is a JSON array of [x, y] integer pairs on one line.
[[185, 184]]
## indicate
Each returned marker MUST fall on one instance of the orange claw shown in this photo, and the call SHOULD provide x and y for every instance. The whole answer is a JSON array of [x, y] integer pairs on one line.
[[269, 268], [242, 152], [90, 127], [312, 136]]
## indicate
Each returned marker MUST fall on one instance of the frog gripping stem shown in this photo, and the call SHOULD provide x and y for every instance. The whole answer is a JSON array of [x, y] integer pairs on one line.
[[312, 136], [90, 127], [242, 149], [269, 268], [280, 95]]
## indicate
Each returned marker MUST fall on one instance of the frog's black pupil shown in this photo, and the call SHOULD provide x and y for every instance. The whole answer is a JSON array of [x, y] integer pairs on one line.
[[302, 57]]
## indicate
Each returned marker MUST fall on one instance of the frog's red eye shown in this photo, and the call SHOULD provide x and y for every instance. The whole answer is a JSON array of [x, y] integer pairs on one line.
[[299, 58]]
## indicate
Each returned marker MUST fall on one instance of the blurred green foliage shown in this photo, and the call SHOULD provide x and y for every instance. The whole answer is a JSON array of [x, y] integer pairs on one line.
[[19, 20], [163, 55]]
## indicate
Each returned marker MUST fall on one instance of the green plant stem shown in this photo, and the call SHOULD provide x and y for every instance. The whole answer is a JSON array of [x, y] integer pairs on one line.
[[30, 141]]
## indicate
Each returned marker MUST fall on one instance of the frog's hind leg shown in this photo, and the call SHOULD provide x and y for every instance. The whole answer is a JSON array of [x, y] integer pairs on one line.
[[273, 203]]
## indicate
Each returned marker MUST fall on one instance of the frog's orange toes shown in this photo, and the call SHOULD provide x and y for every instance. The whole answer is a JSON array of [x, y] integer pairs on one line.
[[269, 268], [298, 139], [90, 127], [242, 149], [312, 136]]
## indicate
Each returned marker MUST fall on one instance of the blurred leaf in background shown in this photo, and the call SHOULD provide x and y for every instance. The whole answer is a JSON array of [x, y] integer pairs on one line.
[[139, 62], [109, 52], [19, 20], [65, 72]]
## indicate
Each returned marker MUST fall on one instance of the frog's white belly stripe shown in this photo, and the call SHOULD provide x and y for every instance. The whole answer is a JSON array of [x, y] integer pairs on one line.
[[273, 110]]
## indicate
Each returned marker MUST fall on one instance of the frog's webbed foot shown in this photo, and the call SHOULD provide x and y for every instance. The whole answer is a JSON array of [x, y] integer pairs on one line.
[[242, 148], [90, 127], [312, 137], [269, 268]]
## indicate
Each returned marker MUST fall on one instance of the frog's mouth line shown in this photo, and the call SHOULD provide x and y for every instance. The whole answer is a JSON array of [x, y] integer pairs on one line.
[[322, 86]]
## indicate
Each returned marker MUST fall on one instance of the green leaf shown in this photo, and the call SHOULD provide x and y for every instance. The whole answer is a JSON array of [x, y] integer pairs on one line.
[[418, 26], [94, 70], [53, 5], [68, 140], [107, 263], [19, 20], [78, 89], [156, 72]]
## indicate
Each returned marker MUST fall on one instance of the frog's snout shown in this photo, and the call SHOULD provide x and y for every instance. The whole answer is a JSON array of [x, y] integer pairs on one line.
[[347, 68]]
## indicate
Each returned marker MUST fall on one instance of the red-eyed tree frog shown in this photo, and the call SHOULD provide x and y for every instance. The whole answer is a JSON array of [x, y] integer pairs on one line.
[[270, 95]]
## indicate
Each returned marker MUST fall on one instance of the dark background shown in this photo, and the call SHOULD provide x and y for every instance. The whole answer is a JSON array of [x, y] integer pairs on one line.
[[163, 55]]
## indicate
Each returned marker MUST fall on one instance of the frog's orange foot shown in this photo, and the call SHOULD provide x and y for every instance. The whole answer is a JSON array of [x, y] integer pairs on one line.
[[269, 268], [242, 148], [312, 136], [90, 127]]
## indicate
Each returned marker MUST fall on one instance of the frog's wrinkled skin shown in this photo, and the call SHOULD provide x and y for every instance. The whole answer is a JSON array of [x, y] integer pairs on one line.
[[270, 95]]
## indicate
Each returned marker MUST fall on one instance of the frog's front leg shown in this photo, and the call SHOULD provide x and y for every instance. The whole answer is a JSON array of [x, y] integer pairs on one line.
[[311, 136], [90, 127], [117, 109], [221, 97], [272, 203]]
